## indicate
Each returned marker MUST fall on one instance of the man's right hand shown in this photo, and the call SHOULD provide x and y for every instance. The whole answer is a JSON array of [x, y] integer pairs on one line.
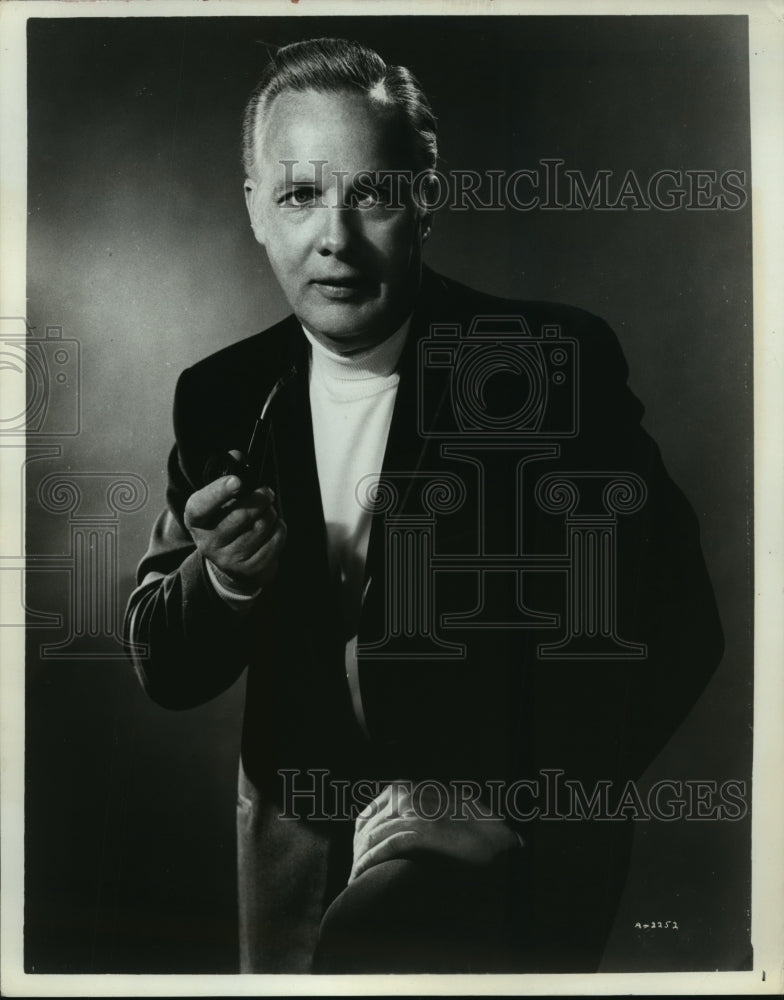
[[240, 535]]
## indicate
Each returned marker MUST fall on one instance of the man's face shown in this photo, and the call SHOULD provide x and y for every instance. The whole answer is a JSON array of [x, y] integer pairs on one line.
[[349, 264]]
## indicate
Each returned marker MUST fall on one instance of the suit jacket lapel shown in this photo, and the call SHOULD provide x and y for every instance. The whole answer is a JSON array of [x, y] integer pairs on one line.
[[407, 450], [292, 459], [291, 456], [305, 574]]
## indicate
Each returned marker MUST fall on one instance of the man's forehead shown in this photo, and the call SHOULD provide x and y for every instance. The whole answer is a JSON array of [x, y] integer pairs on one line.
[[347, 129]]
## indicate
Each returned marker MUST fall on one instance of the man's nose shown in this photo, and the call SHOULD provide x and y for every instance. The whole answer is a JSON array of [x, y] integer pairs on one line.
[[337, 229]]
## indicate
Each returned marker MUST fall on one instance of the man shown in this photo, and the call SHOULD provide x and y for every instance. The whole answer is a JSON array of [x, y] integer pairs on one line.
[[460, 566]]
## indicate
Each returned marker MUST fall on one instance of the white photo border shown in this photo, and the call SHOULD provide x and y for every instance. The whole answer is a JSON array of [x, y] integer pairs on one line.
[[766, 29]]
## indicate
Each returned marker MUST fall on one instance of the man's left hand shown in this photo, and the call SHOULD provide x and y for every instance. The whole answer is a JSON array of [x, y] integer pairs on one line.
[[395, 825]]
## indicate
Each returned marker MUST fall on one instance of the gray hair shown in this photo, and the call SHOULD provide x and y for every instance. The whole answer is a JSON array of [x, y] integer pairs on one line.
[[334, 64]]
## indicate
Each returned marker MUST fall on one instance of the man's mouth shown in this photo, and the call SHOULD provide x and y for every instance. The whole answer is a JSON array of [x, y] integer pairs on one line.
[[341, 287]]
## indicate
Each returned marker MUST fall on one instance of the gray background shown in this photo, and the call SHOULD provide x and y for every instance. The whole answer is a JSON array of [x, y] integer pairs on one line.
[[138, 246]]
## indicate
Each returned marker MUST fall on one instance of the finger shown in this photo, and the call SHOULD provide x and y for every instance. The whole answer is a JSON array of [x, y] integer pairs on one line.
[[371, 836], [240, 513], [257, 549], [258, 568], [375, 828], [256, 520], [262, 498], [259, 501], [372, 809], [252, 553], [204, 505], [395, 846], [389, 802]]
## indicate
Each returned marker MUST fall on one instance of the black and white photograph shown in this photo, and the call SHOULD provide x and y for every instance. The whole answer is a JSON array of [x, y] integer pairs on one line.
[[378, 399]]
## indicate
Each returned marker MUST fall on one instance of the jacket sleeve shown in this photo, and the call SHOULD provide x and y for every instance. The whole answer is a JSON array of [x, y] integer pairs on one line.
[[187, 645], [619, 712]]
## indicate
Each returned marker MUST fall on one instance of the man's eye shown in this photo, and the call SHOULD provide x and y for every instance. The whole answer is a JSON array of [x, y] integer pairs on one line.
[[299, 197], [368, 199]]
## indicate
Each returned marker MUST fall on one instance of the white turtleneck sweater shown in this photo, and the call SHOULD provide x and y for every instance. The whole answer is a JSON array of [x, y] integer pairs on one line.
[[351, 401]]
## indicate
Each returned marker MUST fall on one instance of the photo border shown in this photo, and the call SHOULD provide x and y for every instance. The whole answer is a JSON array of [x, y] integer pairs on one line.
[[766, 46]]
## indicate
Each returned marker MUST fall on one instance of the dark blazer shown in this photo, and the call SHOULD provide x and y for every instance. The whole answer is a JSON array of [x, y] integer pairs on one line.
[[503, 708]]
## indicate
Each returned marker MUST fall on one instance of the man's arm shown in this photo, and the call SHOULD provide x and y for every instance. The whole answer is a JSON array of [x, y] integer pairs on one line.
[[190, 641], [625, 710]]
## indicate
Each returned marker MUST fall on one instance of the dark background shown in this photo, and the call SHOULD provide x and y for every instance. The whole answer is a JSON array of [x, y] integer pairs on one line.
[[139, 247]]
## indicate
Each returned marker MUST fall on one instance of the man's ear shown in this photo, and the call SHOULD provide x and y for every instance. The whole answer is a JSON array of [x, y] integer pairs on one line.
[[251, 203]]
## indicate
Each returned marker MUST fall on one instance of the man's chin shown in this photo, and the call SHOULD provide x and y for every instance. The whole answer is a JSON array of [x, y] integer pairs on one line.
[[348, 328]]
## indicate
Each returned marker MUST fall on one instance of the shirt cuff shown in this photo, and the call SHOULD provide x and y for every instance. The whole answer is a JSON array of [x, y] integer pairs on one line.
[[226, 589]]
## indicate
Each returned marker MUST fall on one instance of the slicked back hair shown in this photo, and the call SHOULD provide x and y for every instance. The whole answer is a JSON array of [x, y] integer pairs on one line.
[[329, 65]]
